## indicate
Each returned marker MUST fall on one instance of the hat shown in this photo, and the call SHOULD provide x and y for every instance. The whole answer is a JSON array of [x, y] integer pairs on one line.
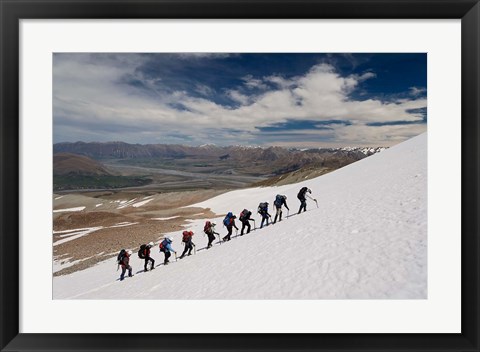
[[151, 244], [129, 252]]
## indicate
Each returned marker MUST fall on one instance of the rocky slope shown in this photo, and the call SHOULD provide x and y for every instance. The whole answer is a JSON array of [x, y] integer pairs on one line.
[[74, 164]]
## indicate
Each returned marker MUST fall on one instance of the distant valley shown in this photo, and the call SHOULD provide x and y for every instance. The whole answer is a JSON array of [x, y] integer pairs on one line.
[[84, 166]]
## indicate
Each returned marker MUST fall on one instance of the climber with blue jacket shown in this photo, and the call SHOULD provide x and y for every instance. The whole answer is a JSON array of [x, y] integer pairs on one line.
[[166, 247], [229, 223]]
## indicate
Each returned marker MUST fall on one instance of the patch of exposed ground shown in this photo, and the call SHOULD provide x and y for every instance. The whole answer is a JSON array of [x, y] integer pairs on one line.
[[84, 252], [82, 219]]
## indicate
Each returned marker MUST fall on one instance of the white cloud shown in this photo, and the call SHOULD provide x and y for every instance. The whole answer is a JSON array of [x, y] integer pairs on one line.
[[90, 93], [253, 83], [378, 136], [366, 75], [416, 91], [204, 90], [238, 97], [279, 81]]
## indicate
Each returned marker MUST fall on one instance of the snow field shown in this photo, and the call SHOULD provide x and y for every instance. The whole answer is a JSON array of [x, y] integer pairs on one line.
[[133, 202], [367, 240], [69, 210], [164, 219]]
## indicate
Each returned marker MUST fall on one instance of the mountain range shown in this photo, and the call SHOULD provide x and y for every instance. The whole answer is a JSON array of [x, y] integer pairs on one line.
[[122, 150], [211, 159]]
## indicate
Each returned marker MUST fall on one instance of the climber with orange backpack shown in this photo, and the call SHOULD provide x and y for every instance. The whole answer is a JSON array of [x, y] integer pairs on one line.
[[189, 245]]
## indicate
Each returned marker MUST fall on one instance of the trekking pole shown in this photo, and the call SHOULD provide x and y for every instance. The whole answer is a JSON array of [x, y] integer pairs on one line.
[[194, 249], [313, 199], [176, 256], [254, 224]]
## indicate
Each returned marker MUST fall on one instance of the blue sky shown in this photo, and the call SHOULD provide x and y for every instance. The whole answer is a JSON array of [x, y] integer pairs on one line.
[[301, 100]]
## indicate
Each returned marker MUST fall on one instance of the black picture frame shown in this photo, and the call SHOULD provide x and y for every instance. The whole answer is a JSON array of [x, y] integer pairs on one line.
[[12, 11]]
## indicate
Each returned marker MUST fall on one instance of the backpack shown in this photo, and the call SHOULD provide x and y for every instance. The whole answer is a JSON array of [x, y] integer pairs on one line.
[[226, 221], [262, 207], [187, 235], [279, 200], [302, 192], [243, 214], [207, 227], [120, 256], [162, 245], [141, 251]]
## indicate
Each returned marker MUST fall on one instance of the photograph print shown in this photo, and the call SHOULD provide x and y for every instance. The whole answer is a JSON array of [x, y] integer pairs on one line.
[[239, 176]]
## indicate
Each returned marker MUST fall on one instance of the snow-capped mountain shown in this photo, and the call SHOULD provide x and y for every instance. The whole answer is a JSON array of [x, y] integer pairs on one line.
[[365, 150], [367, 239]]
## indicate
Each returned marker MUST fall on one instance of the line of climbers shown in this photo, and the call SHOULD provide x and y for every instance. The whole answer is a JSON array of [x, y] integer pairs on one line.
[[165, 245]]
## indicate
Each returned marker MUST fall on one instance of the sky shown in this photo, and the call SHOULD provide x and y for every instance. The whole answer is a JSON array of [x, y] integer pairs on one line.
[[282, 99]]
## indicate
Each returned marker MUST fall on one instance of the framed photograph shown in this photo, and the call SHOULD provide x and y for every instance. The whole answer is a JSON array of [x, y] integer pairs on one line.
[[231, 175]]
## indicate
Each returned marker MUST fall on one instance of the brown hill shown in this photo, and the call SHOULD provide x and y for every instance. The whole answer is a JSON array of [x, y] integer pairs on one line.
[[73, 164], [294, 177]]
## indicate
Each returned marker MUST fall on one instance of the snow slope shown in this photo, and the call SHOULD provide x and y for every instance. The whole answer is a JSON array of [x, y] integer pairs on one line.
[[366, 240]]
